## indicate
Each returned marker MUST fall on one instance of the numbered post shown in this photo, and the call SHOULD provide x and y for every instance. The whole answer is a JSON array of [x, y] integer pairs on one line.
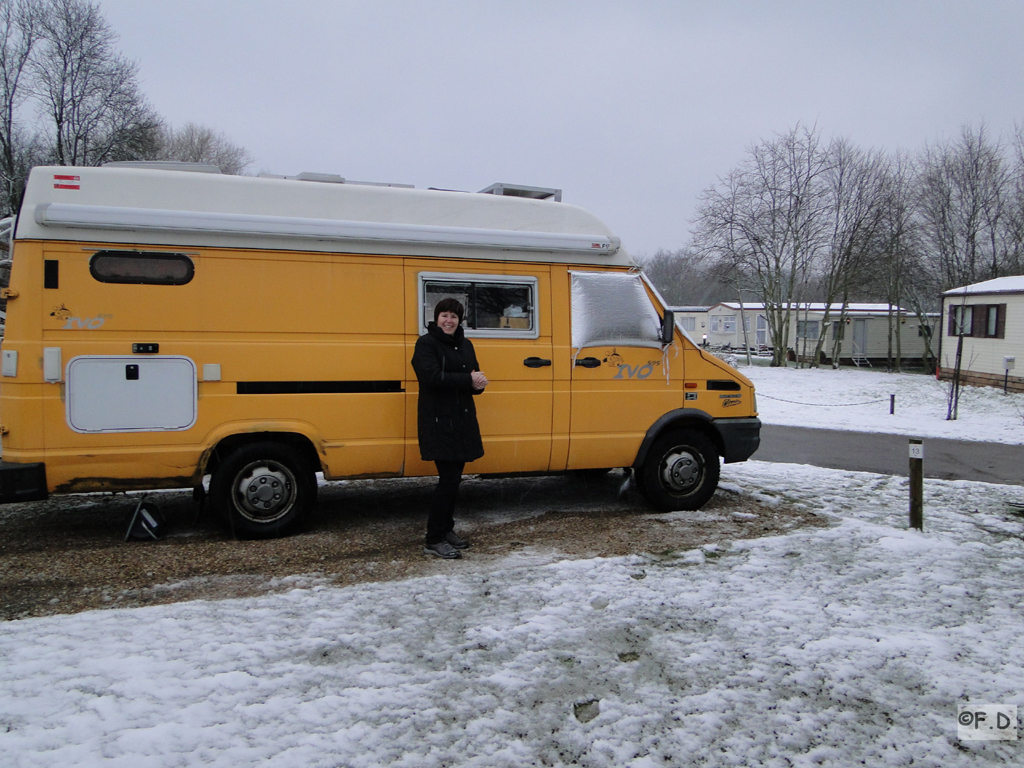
[[917, 484]]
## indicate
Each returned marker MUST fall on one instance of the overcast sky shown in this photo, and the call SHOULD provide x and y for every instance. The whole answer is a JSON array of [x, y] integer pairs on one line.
[[632, 108]]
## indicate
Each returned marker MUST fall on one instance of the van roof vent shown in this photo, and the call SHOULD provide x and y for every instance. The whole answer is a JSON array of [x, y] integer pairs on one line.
[[333, 178], [164, 165], [519, 190], [381, 184], [327, 178]]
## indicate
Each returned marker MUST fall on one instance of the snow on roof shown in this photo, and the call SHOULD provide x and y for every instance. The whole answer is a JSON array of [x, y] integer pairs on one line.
[[1012, 284], [819, 307], [689, 309]]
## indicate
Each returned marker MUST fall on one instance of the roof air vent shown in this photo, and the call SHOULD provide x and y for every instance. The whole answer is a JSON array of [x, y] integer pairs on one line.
[[164, 165], [519, 190], [328, 178]]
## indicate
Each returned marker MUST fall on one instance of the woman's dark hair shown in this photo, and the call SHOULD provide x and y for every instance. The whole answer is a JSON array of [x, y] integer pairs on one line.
[[449, 305]]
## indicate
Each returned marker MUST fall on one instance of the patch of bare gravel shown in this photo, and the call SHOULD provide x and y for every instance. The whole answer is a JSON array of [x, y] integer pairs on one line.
[[68, 554]]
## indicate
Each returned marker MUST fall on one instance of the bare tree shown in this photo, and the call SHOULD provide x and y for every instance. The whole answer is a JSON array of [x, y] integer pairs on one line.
[[964, 187], [854, 181], [19, 33], [194, 143], [765, 220], [1014, 223], [60, 57], [88, 92]]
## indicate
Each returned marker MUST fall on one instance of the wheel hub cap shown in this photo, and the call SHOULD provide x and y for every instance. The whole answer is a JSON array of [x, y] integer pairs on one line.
[[265, 492], [681, 471]]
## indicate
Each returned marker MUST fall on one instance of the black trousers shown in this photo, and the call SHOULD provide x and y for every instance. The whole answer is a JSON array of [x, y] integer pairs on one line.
[[441, 520]]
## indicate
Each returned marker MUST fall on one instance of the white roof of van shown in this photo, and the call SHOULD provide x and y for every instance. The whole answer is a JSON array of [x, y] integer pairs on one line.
[[146, 206]]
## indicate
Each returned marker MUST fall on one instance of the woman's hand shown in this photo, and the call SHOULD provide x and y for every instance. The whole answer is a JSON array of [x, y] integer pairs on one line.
[[479, 380]]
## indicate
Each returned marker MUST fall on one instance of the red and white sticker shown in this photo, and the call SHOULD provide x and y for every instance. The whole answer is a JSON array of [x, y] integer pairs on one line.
[[66, 182]]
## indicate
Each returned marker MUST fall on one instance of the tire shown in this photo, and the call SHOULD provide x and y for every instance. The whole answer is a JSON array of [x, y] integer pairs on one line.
[[263, 490], [681, 472]]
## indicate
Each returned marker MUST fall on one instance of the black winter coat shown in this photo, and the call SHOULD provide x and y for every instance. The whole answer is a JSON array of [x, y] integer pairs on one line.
[[448, 430]]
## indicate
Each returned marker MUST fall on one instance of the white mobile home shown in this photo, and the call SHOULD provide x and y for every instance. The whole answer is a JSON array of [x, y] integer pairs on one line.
[[989, 317], [727, 320], [863, 335], [693, 320]]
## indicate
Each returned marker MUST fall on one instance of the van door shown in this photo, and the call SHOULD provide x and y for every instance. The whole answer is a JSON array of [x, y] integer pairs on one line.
[[622, 379], [508, 319]]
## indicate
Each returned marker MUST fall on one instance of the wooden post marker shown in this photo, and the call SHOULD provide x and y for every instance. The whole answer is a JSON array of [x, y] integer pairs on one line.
[[917, 484]]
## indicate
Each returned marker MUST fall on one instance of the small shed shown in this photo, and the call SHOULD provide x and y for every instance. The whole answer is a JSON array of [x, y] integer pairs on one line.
[[989, 318]]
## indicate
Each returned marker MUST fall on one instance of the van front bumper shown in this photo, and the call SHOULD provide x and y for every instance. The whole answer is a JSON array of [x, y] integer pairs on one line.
[[22, 482], [740, 438]]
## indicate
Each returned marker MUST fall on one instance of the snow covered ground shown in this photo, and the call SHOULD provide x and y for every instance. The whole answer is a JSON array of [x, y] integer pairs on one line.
[[841, 646], [858, 399]]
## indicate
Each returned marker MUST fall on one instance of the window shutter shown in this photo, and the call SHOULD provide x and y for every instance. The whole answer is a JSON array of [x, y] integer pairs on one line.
[[978, 320], [952, 322]]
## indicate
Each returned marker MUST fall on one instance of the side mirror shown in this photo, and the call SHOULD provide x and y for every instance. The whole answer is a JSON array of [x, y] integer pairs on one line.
[[668, 327]]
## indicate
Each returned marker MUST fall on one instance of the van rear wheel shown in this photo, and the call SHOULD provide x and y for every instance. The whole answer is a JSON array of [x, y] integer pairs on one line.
[[263, 489], [681, 472]]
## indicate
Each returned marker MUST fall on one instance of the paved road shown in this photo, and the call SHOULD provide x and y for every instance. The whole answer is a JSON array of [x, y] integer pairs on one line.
[[890, 455]]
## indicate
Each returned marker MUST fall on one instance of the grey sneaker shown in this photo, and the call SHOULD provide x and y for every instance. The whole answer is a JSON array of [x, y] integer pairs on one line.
[[456, 541], [443, 549]]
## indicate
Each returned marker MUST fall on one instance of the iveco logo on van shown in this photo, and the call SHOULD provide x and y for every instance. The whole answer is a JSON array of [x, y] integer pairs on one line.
[[90, 323]]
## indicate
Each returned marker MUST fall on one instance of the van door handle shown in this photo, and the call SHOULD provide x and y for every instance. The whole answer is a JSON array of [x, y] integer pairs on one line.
[[536, 362], [588, 362]]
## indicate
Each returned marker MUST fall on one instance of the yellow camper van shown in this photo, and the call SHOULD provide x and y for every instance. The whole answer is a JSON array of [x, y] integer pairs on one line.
[[169, 323]]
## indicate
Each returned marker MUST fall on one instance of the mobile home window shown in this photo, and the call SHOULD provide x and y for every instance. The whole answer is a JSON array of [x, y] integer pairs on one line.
[[995, 320], [141, 268], [960, 320], [723, 323], [807, 329], [496, 305]]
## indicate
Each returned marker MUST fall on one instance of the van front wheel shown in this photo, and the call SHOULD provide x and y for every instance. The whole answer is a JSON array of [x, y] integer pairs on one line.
[[680, 472], [263, 489]]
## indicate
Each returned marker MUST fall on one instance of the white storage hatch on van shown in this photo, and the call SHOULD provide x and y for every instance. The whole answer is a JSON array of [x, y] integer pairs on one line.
[[112, 393]]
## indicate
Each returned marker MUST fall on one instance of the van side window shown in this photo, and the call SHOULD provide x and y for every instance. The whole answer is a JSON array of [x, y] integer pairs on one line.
[[141, 267], [496, 305], [612, 309]]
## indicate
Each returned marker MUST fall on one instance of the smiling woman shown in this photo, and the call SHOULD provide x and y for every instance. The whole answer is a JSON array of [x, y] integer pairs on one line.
[[449, 376]]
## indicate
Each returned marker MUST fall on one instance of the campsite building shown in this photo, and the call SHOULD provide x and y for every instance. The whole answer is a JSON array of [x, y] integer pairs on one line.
[[989, 317], [864, 333]]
